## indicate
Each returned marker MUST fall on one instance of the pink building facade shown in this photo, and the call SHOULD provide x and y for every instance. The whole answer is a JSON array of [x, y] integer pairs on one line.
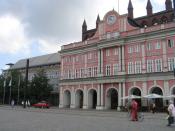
[[117, 59]]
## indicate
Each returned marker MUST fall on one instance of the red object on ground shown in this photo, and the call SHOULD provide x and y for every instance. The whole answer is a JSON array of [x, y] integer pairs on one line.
[[42, 104]]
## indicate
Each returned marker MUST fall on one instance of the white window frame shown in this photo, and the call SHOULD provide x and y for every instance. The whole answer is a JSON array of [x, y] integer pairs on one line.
[[158, 45], [89, 72], [89, 55], [115, 69], [137, 48], [138, 67], [108, 70], [150, 66], [130, 68], [115, 51], [95, 71], [149, 46], [130, 49], [107, 52], [171, 64], [170, 43], [158, 65]]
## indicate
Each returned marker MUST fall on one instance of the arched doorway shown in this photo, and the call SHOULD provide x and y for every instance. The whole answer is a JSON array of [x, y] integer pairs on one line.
[[111, 99], [66, 99], [136, 91], [92, 99], [79, 99], [157, 101]]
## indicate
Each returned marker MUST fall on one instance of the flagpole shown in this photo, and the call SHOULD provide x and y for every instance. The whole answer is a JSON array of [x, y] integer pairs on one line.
[[10, 84], [18, 90], [4, 92]]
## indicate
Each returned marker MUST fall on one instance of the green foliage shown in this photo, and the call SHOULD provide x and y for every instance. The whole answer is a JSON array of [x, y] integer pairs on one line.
[[39, 87]]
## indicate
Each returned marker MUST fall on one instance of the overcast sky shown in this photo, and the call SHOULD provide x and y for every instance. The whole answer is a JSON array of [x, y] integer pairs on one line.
[[31, 28]]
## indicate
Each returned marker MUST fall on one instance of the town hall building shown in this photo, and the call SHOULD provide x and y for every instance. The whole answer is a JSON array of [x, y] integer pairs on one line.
[[122, 56]]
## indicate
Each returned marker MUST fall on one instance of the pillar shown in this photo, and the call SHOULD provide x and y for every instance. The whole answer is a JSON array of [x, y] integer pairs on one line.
[[85, 98]]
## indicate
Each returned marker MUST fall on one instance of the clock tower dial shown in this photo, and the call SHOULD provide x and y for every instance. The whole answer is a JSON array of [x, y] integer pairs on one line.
[[111, 19]]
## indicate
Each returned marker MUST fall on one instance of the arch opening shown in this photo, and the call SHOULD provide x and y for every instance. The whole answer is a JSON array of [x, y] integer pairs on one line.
[[79, 99], [136, 91], [67, 99], [111, 99], [92, 99]]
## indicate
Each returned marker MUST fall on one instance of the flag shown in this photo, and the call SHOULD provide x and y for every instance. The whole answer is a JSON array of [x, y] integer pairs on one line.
[[10, 83]]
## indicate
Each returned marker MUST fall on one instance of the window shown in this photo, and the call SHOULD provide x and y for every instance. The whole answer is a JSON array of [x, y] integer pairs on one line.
[[76, 58], [158, 45], [130, 49], [89, 55], [76, 73], [108, 35], [107, 52], [89, 72], [137, 48], [158, 65], [115, 51], [108, 70], [138, 67], [95, 71], [130, 68], [69, 74], [116, 69], [149, 46], [150, 65], [82, 73], [171, 64], [170, 43]]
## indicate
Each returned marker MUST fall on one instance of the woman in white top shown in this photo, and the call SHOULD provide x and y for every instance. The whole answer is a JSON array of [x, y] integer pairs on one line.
[[171, 113]]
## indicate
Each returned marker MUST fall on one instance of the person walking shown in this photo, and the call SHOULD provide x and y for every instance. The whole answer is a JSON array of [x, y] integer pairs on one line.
[[12, 103], [134, 110], [171, 113]]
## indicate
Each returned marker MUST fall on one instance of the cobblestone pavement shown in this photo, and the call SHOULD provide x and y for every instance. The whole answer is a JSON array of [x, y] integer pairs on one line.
[[54, 119]]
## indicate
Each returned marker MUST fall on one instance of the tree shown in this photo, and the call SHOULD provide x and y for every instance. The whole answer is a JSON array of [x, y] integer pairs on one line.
[[1, 87], [39, 87]]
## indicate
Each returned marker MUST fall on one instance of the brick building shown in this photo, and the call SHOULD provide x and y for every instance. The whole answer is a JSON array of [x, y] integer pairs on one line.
[[123, 55]]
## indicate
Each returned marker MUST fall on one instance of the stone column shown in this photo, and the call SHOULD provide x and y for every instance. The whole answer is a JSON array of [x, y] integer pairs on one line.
[[144, 92], [166, 91], [98, 98], [61, 97], [102, 97], [72, 98], [123, 92], [119, 97], [85, 98]]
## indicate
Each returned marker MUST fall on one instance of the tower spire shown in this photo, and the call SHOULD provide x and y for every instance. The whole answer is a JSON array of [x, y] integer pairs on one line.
[[130, 9], [97, 21], [84, 26], [149, 8], [168, 4]]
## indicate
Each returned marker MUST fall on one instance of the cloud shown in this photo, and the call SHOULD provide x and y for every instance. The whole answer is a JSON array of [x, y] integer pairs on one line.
[[46, 46], [59, 21], [12, 35]]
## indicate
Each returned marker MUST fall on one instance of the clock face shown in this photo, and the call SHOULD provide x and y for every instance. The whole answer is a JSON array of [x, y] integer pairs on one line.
[[111, 19]]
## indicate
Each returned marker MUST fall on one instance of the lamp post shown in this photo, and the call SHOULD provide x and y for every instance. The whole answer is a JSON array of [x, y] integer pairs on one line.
[[26, 82]]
